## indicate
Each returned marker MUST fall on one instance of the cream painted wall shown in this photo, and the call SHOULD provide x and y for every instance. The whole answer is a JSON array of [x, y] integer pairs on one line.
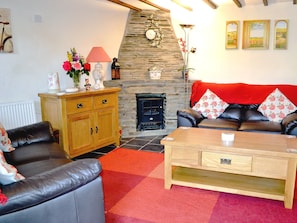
[[40, 48], [214, 63]]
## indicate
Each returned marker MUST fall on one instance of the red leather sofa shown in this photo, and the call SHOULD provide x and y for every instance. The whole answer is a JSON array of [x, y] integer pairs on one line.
[[242, 113]]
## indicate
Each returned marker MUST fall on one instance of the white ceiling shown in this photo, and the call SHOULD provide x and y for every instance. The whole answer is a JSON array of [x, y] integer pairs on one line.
[[193, 3]]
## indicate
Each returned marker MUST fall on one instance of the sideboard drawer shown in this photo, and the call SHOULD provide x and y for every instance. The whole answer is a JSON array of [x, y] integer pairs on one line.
[[105, 100], [227, 161], [79, 105]]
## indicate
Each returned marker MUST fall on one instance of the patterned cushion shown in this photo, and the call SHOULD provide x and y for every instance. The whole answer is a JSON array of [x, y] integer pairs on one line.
[[276, 106], [210, 105], [8, 173], [5, 143]]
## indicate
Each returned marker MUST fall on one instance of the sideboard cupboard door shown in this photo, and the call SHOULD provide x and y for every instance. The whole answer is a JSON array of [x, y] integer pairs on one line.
[[86, 120]]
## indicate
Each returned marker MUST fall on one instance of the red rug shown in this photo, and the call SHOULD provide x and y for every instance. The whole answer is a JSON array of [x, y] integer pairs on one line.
[[134, 193]]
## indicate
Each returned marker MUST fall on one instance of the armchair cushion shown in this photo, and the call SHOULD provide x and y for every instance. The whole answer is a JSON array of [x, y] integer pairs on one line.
[[5, 143], [8, 173]]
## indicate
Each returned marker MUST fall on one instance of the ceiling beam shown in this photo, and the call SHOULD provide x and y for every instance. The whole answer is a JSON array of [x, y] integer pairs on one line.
[[178, 2], [237, 2], [211, 4], [294, 2], [265, 2], [154, 5], [125, 5]]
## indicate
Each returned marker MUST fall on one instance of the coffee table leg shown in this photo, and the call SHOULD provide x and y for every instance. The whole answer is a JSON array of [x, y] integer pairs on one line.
[[290, 184], [167, 167]]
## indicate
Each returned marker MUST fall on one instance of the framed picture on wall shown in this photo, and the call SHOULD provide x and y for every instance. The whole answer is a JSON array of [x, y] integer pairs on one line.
[[6, 45], [281, 34], [232, 28], [256, 34]]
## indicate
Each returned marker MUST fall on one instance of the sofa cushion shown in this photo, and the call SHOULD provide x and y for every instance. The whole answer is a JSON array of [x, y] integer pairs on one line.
[[253, 115], [5, 143], [276, 106], [219, 124], [233, 111], [258, 126], [8, 173], [210, 105]]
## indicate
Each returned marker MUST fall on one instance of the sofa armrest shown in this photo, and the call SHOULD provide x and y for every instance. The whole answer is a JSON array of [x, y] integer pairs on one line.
[[188, 117], [289, 124], [48, 185], [37, 132]]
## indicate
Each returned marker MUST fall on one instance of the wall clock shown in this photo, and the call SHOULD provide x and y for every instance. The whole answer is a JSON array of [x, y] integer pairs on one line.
[[150, 34], [153, 32]]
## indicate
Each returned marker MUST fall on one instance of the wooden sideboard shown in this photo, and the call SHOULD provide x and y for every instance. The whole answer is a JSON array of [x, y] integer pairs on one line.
[[86, 120]]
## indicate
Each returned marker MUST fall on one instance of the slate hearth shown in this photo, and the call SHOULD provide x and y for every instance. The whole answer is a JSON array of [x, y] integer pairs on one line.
[[177, 97]]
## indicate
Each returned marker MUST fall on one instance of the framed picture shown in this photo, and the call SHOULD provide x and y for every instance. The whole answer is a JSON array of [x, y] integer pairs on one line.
[[281, 34], [256, 34], [6, 45], [232, 28]]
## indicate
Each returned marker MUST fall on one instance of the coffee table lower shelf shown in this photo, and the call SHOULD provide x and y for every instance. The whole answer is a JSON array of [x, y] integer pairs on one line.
[[230, 183]]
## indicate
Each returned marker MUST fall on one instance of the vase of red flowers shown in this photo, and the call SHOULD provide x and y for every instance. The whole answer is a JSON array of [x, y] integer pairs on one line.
[[75, 66]]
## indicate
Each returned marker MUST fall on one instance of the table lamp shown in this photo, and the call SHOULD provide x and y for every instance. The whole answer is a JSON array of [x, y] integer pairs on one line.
[[98, 55]]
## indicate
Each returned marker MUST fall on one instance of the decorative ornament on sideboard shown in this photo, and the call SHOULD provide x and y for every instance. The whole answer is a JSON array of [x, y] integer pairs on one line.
[[76, 66], [115, 69], [153, 32]]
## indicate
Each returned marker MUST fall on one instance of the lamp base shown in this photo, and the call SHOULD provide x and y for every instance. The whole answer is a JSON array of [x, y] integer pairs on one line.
[[96, 86], [101, 85]]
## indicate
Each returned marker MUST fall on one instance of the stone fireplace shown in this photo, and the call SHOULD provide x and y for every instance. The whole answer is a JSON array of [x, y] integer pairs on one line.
[[136, 56]]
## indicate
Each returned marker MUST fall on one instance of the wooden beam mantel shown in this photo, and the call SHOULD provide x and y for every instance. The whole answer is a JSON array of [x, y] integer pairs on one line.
[[178, 2], [125, 5], [237, 2], [154, 5], [211, 4], [265, 2]]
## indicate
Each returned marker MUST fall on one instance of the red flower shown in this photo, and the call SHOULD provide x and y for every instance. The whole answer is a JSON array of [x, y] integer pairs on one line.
[[67, 66], [87, 66]]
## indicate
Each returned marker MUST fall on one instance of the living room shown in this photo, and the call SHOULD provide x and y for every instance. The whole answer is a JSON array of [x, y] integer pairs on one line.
[[43, 32]]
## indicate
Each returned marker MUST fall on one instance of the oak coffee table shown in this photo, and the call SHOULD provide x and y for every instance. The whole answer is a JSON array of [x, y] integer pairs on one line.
[[254, 164]]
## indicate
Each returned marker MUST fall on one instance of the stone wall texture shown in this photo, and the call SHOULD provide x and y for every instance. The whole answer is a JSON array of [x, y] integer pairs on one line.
[[136, 55]]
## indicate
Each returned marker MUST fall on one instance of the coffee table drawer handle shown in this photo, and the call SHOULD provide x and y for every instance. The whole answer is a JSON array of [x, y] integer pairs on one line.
[[226, 161]]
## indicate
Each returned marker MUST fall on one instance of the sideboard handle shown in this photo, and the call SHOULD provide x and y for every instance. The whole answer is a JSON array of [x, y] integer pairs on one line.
[[226, 161], [80, 105], [104, 101]]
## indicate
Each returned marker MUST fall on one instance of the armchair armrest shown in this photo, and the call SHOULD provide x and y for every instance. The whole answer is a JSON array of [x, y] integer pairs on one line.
[[188, 117], [37, 132], [48, 185], [289, 124]]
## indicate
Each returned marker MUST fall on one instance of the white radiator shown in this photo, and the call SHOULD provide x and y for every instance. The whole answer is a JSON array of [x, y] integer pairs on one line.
[[17, 114]]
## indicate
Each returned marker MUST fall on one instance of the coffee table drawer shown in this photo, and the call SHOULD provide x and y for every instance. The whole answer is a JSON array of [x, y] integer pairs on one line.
[[185, 157], [227, 161], [270, 167]]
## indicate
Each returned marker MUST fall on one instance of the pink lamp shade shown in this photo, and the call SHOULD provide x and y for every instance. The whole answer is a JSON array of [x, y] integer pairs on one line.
[[98, 54]]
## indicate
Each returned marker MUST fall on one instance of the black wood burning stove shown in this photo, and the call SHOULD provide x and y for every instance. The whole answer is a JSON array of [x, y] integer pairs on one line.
[[150, 111]]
